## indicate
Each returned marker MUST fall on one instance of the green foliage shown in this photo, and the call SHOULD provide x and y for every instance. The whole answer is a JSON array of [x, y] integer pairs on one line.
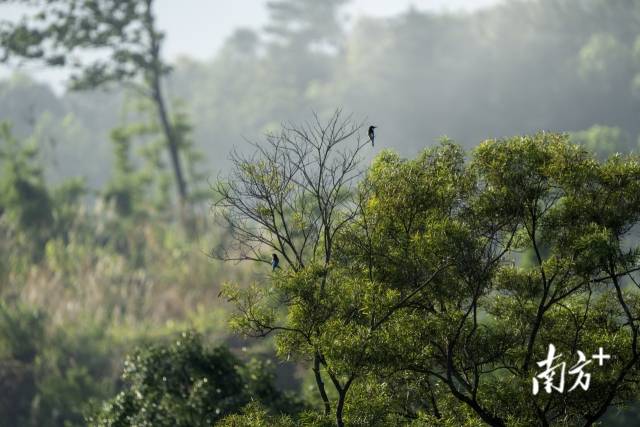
[[30, 210], [123, 190], [68, 317], [67, 199], [123, 29], [184, 384], [579, 69], [604, 141], [49, 377], [424, 315], [255, 415], [141, 177], [22, 332], [602, 56], [382, 302], [24, 199], [74, 367], [80, 287]]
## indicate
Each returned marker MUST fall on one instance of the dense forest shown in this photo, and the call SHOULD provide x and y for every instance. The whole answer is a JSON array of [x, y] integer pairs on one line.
[[220, 242]]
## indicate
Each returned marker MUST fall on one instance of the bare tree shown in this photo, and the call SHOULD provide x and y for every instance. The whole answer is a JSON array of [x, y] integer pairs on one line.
[[291, 197]]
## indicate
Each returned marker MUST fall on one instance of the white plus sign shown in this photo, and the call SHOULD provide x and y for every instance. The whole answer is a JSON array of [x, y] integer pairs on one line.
[[600, 356]]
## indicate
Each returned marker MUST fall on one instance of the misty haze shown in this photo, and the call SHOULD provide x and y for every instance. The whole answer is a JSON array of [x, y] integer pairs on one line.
[[292, 212]]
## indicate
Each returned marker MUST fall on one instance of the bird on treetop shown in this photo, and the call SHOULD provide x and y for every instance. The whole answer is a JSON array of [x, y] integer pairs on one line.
[[274, 262], [372, 134]]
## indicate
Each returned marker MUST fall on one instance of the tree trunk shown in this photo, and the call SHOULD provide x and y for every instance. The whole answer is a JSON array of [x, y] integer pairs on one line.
[[320, 384], [155, 75], [172, 141], [342, 396], [340, 408]]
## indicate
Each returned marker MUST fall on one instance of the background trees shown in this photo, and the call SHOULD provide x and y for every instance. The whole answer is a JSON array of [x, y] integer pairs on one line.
[[516, 68], [126, 46], [83, 281]]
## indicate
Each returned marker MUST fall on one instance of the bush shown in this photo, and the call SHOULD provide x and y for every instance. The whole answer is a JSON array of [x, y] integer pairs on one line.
[[185, 384]]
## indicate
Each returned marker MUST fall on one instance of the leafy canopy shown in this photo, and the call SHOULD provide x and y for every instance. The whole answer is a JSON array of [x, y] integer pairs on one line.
[[453, 277]]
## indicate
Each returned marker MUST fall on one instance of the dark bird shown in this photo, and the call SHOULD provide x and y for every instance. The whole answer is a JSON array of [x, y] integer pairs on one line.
[[274, 262], [372, 134]]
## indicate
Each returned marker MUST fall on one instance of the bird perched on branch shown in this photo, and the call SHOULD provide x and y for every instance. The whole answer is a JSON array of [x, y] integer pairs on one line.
[[274, 262], [372, 134]]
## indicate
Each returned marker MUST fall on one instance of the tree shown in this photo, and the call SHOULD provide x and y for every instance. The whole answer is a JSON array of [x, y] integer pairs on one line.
[[292, 197], [474, 334], [25, 203], [303, 37], [50, 374], [604, 140], [122, 42], [302, 23], [426, 310], [142, 177], [186, 384]]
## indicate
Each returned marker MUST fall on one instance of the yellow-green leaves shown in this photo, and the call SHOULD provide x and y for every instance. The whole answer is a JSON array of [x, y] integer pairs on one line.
[[455, 275]]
